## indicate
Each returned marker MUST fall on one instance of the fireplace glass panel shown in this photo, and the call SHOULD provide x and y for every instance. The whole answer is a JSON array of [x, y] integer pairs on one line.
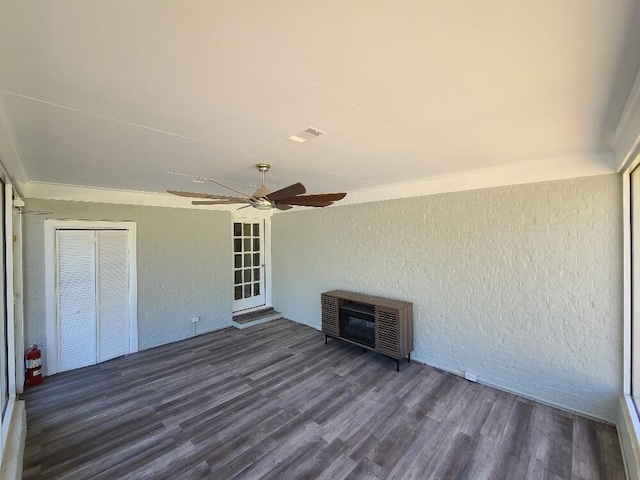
[[358, 326]]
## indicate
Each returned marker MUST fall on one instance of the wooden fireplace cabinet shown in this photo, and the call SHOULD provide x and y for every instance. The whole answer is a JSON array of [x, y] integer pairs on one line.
[[393, 322]]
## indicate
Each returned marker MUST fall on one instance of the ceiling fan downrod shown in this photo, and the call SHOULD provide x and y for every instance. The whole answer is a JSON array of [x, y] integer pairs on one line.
[[259, 199]]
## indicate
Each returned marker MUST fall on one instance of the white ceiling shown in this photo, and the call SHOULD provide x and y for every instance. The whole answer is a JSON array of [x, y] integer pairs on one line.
[[116, 93]]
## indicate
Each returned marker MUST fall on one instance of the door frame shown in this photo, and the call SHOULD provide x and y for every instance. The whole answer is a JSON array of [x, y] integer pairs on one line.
[[50, 357], [18, 301], [265, 217]]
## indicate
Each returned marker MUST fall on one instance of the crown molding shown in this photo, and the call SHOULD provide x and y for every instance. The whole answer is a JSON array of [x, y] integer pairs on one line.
[[544, 170], [584, 165], [78, 193]]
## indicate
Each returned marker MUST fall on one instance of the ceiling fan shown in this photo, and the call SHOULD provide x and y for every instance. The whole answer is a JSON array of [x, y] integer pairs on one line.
[[263, 198]]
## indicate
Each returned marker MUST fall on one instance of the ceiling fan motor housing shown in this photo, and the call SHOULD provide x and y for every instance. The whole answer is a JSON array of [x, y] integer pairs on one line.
[[261, 203], [263, 191]]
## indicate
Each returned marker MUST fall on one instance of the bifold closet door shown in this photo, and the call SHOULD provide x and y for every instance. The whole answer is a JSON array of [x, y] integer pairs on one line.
[[77, 345], [113, 294], [93, 292]]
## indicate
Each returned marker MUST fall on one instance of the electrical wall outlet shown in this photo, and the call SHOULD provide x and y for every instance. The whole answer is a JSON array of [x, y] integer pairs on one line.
[[195, 319], [471, 377]]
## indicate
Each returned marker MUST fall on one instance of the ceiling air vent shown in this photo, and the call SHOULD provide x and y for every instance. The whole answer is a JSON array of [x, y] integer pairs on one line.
[[314, 131], [308, 133]]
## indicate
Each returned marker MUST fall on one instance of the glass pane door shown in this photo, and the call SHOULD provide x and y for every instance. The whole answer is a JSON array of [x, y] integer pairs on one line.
[[248, 264], [635, 287], [4, 359]]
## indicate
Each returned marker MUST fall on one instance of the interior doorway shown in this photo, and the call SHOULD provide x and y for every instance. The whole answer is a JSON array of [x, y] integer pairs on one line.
[[248, 264], [251, 257]]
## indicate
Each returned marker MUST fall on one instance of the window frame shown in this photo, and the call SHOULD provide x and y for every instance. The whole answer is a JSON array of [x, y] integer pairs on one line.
[[12, 350], [629, 420]]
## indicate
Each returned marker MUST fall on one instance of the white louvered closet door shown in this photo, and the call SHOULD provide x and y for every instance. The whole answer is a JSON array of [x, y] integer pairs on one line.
[[76, 299], [93, 293], [113, 294]]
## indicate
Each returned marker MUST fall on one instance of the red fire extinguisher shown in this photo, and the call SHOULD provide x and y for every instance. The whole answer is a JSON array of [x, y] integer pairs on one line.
[[33, 364]]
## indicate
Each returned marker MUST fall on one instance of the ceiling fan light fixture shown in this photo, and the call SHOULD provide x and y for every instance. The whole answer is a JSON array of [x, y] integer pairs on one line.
[[261, 203], [297, 139]]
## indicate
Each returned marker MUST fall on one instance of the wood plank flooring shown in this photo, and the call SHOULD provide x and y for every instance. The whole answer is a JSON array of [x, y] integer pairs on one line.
[[274, 402]]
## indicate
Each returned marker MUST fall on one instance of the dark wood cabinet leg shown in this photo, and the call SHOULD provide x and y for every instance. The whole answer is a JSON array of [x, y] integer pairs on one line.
[[397, 365], [409, 357], [325, 339]]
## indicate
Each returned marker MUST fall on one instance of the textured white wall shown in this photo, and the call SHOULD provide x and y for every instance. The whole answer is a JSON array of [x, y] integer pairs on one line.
[[184, 267], [521, 285]]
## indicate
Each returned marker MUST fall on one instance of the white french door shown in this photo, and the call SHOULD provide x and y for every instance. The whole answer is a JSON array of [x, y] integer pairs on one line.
[[248, 264], [91, 293]]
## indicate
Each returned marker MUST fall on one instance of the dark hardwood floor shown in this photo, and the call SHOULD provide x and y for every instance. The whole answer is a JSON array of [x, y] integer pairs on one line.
[[274, 402]]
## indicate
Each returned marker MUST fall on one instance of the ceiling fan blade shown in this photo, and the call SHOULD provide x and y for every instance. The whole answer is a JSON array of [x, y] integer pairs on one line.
[[286, 192], [283, 207], [310, 203], [224, 186], [220, 202], [320, 200], [205, 195]]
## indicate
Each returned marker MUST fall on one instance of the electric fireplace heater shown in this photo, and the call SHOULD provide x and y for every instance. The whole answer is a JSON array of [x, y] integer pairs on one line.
[[357, 323]]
